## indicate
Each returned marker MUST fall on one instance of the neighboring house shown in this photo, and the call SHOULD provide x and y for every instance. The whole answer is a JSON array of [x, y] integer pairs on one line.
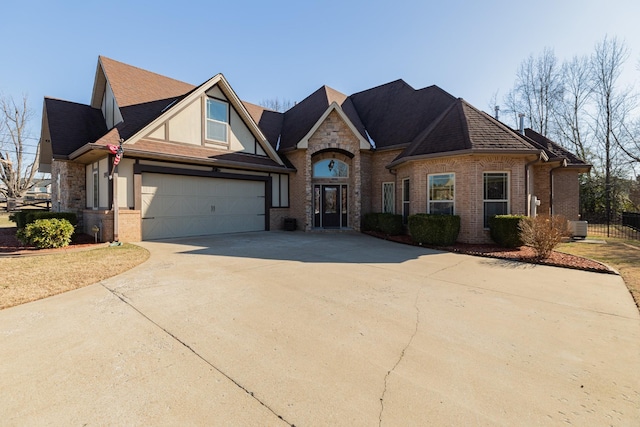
[[41, 189], [198, 160]]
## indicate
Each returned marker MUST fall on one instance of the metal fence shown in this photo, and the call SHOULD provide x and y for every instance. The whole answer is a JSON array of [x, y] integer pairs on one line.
[[627, 226]]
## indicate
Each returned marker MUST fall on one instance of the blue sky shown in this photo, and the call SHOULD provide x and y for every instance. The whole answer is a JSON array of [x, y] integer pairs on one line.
[[288, 49]]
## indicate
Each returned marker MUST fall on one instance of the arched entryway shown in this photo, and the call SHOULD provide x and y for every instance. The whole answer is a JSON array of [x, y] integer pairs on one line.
[[331, 190]]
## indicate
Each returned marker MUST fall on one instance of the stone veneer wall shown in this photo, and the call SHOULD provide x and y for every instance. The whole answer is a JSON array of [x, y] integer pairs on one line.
[[334, 133], [68, 192]]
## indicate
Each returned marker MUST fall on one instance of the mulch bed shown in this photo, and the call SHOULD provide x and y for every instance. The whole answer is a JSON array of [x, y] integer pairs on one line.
[[521, 254], [10, 244]]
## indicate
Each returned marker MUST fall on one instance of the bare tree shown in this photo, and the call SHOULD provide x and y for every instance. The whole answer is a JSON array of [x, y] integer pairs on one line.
[[277, 104], [17, 169], [612, 108], [537, 90], [571, 115]]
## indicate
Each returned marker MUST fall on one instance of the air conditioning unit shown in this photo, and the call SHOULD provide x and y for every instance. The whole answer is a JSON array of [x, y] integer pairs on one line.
[[578, 229]]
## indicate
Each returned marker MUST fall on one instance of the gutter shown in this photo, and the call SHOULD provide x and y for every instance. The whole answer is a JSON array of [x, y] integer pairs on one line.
[[527, 202], [563, 164], [461, 153]]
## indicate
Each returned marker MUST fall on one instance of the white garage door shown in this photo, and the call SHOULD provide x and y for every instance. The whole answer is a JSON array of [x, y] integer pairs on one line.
[[180, 206]]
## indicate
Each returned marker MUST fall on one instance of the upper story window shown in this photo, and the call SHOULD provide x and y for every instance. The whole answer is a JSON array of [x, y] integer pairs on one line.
[[440, 194], [330, 168], [217, 120]]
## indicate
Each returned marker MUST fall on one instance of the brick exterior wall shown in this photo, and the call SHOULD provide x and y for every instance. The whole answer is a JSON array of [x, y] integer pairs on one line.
[[277, 216], [542, 187], [129, 224], [566, 193], [468, 190], [380, 174], [297, 189]]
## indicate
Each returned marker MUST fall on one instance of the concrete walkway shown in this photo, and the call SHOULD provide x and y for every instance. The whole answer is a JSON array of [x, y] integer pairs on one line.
[[276, 329]]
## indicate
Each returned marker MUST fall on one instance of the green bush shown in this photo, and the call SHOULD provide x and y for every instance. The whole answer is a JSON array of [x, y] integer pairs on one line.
[[22, 218], [47, 233], [505, 231], [387, 223], [35, 215], [370, 222], [437, 230]]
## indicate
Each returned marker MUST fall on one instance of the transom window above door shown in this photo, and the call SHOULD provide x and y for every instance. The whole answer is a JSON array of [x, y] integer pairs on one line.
[[330, 168], [217, 120]]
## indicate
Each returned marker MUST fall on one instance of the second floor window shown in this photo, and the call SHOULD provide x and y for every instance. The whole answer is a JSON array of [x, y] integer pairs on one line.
[[217, 120]]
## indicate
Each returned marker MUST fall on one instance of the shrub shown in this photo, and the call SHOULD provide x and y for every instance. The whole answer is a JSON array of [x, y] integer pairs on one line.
[[22, 218], [438, 230], [35, 215], [370, 222], [543, 233], [47, 233], [387, 223], [504, 230]]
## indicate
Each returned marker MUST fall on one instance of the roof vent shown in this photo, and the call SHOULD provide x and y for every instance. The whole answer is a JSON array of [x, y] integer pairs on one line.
[[521, 116]]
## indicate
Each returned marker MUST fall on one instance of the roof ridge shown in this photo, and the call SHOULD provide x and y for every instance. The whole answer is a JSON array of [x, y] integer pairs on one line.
[[102, 57], [413, 145]]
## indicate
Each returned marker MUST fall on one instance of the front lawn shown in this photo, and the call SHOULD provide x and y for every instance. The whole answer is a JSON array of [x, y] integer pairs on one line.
[[29, 278], [623, 255]]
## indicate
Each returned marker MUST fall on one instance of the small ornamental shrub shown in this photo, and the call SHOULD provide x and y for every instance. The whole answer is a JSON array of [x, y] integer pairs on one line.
[[69, 216], [437, 230], [504, 230], [47, 233], [543, 233], [387, 223]]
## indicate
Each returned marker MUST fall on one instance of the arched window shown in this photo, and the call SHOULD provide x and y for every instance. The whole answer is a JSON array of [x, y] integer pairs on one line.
[[330, 168]]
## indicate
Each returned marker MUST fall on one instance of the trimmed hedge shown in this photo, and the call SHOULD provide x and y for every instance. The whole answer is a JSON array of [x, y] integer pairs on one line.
[[387, 223], [24, 218], [505, 230], [47, 233], [431, 229]]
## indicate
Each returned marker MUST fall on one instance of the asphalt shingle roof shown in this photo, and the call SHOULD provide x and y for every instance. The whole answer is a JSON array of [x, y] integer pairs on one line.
[[463, 127], [425, 121], [72, 125]]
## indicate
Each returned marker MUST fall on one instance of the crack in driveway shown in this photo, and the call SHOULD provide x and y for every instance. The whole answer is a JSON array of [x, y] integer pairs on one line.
[[198, 355], [402, 353]]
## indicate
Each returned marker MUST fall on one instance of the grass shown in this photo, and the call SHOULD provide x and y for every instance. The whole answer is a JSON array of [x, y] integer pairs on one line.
[[29, 278], [623, 255], [4, 221], [25, 279]]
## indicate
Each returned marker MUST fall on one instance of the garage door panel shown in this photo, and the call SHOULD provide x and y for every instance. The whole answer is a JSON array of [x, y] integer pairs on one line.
[[180, 206]]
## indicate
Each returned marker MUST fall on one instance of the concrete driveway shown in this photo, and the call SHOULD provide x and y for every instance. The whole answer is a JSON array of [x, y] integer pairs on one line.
[[276, 329]]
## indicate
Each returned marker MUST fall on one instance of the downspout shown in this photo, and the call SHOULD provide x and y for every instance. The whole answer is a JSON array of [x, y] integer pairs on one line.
[[527, 189], [563, 164]]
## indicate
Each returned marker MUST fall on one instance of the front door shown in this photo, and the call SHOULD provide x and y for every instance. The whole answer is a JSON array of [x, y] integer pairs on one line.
[[330, 207]]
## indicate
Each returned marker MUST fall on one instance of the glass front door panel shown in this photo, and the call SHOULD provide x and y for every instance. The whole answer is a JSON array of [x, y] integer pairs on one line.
[[330, 206]]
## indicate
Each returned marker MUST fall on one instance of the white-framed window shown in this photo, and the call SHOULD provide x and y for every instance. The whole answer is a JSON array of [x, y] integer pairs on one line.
[[389, 197], [440, 193], [495, 195], [217, 120], [406, 199]]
